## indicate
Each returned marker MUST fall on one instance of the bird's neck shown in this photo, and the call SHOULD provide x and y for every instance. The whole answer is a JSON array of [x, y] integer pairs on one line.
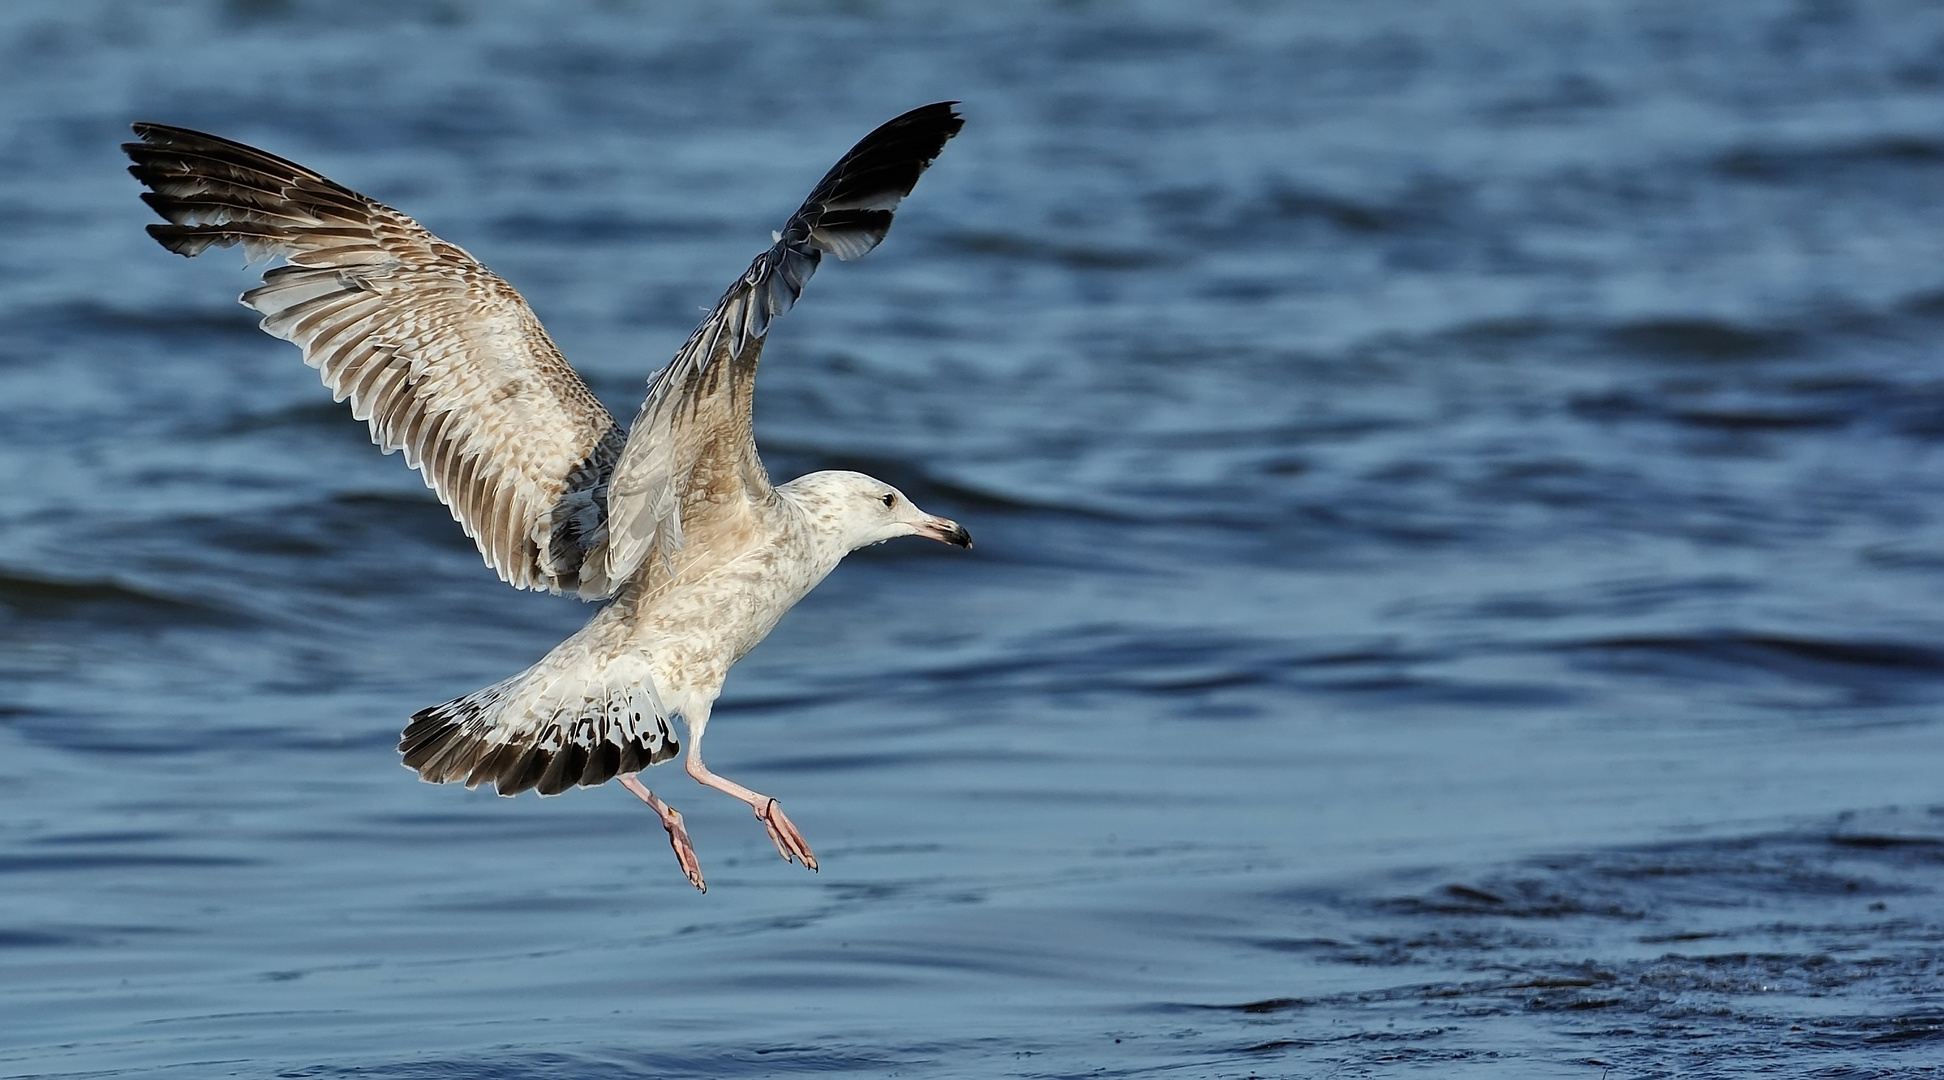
[[818, 524]]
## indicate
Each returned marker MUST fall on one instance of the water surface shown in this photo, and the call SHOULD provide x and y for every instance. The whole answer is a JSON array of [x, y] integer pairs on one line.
[[1457, 592]]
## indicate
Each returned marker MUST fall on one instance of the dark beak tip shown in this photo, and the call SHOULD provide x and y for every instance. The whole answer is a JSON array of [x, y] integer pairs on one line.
[[955, 536]]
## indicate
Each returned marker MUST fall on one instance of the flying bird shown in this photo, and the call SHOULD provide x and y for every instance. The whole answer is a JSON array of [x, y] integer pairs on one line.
[[673, 523]]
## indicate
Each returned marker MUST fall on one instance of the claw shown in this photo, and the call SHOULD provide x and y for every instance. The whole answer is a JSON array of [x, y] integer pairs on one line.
[[789, 842], [678, 837], [783, 833]]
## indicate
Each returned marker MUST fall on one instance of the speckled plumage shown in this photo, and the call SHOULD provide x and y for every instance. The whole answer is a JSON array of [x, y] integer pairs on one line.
[[676, 524]]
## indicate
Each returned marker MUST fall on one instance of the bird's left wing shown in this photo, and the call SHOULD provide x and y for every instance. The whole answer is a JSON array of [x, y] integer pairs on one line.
[[444, 360], [690, 462]]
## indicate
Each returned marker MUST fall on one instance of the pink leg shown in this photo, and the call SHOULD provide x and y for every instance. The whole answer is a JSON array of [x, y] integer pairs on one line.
[[671, 820], [789, 842]]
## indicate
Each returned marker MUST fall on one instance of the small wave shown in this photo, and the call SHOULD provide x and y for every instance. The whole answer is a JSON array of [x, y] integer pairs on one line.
[[1700, 339], [94, 319], [1074, 256], [32, 598], [1292, 203], [31, 864], [601, 227], [1780, 652], [1747, 940], [934, 492], [1759, 420], [1283, 210], [321, 414], [1775, 164]]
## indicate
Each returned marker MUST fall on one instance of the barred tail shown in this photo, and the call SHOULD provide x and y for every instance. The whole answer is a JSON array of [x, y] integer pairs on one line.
[[530, 731]]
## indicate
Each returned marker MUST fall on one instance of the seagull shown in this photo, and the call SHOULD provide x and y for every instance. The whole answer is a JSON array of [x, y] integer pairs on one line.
[[674, 523]]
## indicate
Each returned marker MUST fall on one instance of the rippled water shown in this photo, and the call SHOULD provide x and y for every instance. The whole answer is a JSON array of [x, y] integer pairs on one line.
[[1458, 589]]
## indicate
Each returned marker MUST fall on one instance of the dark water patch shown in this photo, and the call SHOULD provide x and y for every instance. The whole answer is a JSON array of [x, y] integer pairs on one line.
[[1566, 99], [863, 762], [986, 500], [523, 904], [1877, 654], [125, 735], [86, 839], [1514, 899], [1867, 673], [1917, 411], [1923, 305], [774, 1060], [1110, 661], [1728, 420], [1690, 339], [606, 227], [270, 535], [1860, 663], [1409, 223], [92, 320], [315, 415], [1070, 255], [793, 701], [1782, 164], [949, 496], [1556, 939], [110, 742], [256, 14], [131, 860], [1492, 340], [1931, 847], [1212, 668], [29, 939], [27, 599], [1299, 204], [1548, 482], [1119, 43], [355, 516], [1331, 430], [340, 531], [1739, 884], [63, 936]]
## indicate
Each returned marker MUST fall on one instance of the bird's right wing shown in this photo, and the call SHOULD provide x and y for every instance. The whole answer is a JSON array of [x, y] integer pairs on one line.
[[690, 463], [442, 358]]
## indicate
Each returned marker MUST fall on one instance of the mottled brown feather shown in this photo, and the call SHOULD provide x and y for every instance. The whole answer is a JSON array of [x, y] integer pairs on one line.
[[367, 292]]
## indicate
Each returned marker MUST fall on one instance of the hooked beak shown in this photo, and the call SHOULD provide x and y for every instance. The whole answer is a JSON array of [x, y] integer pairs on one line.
[[945, 531]]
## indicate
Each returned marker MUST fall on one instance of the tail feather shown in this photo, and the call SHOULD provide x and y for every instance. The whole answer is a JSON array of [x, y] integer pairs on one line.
[[531, 732]]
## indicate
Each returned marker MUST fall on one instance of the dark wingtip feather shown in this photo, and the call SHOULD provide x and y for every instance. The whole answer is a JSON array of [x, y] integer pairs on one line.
[[847, 214], [216, 192], [850, 210], [161, 139], [190, 241]]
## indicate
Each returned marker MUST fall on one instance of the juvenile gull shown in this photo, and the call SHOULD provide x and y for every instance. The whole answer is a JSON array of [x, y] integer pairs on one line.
[[674, 522]]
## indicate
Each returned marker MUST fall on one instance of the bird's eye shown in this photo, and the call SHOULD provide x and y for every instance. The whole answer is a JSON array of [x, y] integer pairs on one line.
[[890, 500]]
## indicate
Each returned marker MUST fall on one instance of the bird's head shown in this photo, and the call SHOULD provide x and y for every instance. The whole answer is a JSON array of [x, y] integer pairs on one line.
[[858, 511]]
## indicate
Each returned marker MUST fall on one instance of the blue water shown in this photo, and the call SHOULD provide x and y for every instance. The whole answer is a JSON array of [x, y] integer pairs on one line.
[[1460, 584]]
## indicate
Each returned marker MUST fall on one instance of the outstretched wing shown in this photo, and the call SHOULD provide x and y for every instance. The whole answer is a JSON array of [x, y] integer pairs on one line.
[[690, 463], [442, 358]]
